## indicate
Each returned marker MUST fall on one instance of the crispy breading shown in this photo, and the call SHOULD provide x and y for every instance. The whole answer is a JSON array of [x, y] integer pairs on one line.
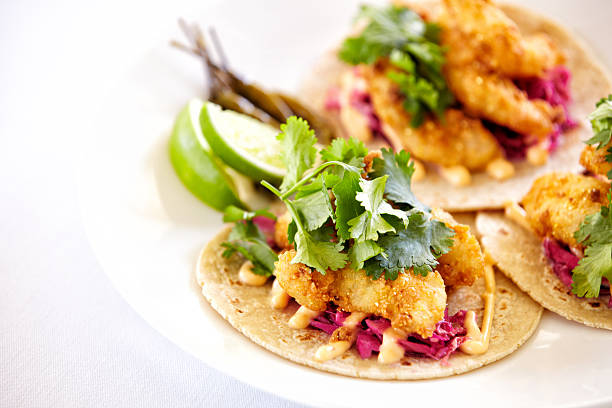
[[594, 160], [455, 140], [497, 99], [412, 302], [557, 204], [485, 52], [368, 160], [464, 263], [477, 30], [307, 286]]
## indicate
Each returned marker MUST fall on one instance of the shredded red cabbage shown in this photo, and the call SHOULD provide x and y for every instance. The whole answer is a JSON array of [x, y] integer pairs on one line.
[[449, 334], [361, 101], [563, 263], [266, 225], [554, 88]]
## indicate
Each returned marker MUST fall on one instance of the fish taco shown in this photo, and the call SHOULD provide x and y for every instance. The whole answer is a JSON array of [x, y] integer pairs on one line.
[[556, 244], [485, 97], [352, 274]]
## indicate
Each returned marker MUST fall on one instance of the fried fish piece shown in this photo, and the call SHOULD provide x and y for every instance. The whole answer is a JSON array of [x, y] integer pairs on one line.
[[455, 140], [558, 202], [497, 99], [413, 303], [485, 52], [465, 262], [594, 160], [477, 30]]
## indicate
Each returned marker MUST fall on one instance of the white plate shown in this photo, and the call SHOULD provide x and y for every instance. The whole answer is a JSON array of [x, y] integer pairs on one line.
[[147, 229]]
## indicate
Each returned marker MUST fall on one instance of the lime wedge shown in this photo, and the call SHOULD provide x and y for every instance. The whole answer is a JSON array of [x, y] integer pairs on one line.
[[245, 144], [199, 170]]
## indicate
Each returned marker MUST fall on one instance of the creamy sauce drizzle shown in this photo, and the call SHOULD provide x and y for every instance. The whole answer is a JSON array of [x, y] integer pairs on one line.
[[336, 348], [456, 175], [517, 214], [302, 318], [246, 275], [390, 350], [478, 342], [537, 155], [500, 169], [280, 298]]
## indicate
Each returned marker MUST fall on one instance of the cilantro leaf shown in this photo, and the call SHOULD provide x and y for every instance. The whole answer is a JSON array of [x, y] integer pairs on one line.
[[370, 223], [391, 26], [413, 50], [248, 240], [595, 233], [298, 150], [347, 206], [601, 139], [399, 169], [245, 230], [313, 204], [350, 151], [320, 255], [601, 122], [291, 231], [361, 252], [596, 263], [361, 51], [417, 246], [233, 214]]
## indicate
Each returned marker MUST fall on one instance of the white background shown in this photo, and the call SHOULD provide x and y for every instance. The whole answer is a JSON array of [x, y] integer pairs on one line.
[[66, 337]]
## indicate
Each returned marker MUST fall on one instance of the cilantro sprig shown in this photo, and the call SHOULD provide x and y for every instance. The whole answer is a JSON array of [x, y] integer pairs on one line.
[[340, 218], [412, 48], [247, 239], [595, 232]]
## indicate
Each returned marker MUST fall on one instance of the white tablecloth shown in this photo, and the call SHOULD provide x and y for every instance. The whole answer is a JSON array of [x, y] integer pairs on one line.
[[66, 337]]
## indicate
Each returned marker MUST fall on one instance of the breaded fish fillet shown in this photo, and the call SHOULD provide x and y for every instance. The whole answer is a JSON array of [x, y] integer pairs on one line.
[[497, 99], [464, 263], [412, 302], [557, 204], [477, 30], [455, 140]]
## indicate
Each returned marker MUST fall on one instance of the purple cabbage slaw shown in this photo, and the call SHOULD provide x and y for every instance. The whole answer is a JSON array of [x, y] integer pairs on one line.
[[449, 334], [553, 88], [563, 263]]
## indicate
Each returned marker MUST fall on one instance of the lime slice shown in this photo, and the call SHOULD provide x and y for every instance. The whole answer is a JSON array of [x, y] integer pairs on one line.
[[199, 170], [243, 143]]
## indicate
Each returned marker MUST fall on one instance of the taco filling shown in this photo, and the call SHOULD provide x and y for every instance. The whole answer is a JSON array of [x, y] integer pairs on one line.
[[366, 261], [456, 84], [572, 215]]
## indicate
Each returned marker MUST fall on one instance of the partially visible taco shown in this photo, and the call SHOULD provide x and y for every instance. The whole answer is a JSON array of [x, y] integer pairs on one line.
[[556, 244], [368, 281], [249, 310], [517, 93]]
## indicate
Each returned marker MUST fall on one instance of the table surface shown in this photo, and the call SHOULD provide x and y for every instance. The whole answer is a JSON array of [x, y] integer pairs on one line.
[[66, 337]]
